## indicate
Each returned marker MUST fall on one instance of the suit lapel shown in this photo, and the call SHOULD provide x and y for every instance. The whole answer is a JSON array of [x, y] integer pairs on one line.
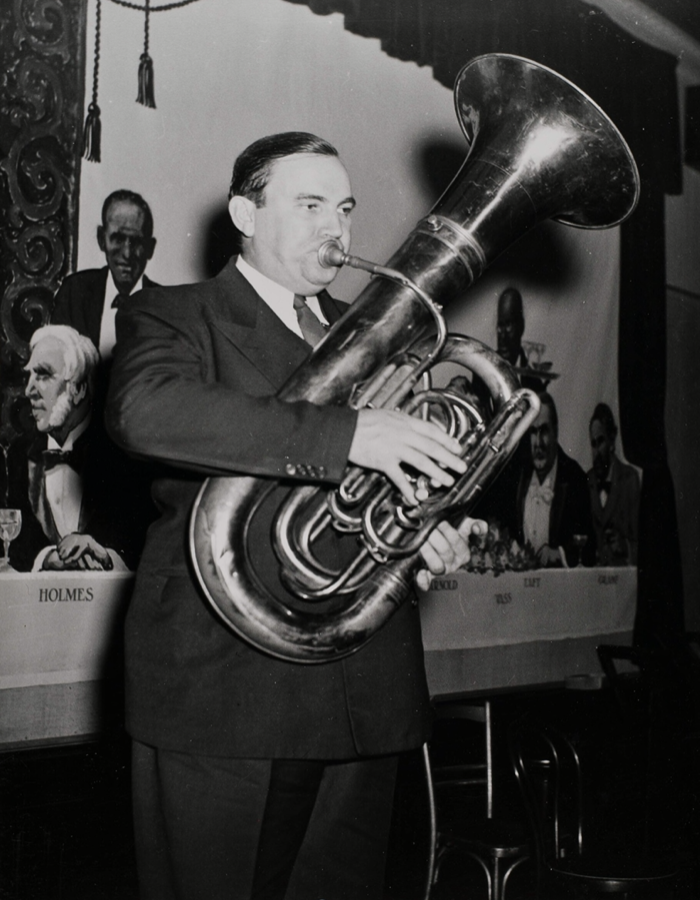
[[331, 308], [606, 512], [36, 489], [94, 309], [561, 489], [245, 320]]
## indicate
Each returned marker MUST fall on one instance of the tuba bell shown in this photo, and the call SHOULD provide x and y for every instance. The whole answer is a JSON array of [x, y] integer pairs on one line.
[[538, 148]]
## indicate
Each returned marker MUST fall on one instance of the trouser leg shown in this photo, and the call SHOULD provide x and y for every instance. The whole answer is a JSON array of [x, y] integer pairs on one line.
[[343, 856], [201, 823], [197, 822]]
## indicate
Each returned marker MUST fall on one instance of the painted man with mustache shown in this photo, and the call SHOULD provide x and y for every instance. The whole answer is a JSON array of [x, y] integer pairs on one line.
[[552, 497], [69, 473]]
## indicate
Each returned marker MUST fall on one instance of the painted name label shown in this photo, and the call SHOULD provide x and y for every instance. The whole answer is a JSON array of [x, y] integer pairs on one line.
[[443, 584], [65, 595], [608, 579]]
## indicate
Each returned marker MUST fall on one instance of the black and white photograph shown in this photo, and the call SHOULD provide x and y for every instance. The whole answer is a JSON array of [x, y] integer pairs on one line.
[[349, 504]]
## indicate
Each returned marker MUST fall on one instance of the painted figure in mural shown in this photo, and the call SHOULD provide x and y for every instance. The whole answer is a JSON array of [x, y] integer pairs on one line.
[[88, 300], [510, 327], [498, 505], [615, 493], [553, 514], [85, 513], [254, 776]]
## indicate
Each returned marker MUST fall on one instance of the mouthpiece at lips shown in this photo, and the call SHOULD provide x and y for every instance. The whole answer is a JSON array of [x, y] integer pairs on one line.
[[331, 254]]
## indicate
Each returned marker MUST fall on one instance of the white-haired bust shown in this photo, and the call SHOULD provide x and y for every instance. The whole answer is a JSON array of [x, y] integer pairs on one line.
[[61, 372]]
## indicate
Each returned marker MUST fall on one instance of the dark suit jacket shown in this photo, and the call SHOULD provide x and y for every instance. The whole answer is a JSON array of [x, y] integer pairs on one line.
[[110, 510], [193, 385], [80, 301], [570, 511], [619, 515]]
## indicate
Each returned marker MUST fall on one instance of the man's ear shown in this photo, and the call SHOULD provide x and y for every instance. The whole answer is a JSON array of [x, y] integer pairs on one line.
[[151, 247], [80, 392], [242, 212], [101, 238]]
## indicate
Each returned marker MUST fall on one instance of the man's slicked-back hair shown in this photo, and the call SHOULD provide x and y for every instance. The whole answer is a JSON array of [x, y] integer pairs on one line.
[[547, 400], [251, 171], [124, 195], [603, 414]]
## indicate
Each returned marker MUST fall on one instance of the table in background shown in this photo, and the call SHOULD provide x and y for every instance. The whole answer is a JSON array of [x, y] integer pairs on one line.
[[60, 654], [484, 633], [60, 640]]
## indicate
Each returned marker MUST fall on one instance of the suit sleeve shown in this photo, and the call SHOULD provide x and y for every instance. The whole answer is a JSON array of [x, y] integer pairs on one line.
[[578, 518], [74, 302], [167, 403], [62, 313]]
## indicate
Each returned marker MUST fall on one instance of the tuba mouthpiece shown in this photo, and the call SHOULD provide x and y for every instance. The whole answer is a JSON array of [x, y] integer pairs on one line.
[[331, 254]]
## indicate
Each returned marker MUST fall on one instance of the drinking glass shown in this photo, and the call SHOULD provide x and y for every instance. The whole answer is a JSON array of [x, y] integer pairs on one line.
[[10, 526], [580, 541]]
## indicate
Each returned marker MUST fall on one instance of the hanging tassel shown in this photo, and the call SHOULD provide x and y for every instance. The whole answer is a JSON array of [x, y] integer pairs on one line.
[[146, 96], [92, 134]]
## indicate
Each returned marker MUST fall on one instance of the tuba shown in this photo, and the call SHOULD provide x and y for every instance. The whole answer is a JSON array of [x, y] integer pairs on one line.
[[538, 148]]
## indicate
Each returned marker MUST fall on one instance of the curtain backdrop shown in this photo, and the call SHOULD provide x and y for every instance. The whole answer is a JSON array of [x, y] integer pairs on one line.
[[636, 85]]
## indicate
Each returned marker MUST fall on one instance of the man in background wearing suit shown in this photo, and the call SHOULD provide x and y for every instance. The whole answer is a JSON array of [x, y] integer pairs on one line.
[[69, 476], [254, 776], [615, 492], [88, 300], [552, 498], [510, 327]]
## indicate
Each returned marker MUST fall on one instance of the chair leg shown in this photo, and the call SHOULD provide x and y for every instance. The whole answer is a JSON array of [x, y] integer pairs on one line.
[[487, 872], [500, 892]]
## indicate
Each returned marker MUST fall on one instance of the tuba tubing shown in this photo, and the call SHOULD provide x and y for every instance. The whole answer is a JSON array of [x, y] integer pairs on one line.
[[538, 148]]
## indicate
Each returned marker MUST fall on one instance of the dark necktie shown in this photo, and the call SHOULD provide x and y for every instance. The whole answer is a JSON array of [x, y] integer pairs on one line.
[[53, 458], [119, 300], [311, 326]]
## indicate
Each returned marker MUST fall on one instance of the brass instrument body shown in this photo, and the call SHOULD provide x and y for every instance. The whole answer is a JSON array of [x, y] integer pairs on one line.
[[538, 148]]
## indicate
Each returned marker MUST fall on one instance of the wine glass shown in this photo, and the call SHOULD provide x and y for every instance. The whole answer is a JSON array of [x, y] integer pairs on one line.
[[10, 526], [580, 541], [534, 352]]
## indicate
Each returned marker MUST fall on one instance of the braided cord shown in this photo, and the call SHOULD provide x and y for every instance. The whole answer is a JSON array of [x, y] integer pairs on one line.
[[146, 27], [96, 67]]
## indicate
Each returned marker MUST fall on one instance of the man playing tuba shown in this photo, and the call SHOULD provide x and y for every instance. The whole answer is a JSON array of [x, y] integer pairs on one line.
[[254, 776]]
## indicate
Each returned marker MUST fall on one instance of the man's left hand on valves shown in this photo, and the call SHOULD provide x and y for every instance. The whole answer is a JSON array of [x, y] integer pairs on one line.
[[447, 549]]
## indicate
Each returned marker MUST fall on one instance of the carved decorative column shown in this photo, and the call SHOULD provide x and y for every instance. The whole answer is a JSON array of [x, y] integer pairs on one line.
[[42, 45]]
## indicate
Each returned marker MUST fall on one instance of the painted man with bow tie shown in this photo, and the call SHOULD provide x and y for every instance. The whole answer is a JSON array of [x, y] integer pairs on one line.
[[614, 494], [552, 497], [69, 473]]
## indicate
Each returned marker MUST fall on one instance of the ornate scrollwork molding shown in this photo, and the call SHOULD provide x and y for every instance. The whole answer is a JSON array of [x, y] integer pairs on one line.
[[41, 101]]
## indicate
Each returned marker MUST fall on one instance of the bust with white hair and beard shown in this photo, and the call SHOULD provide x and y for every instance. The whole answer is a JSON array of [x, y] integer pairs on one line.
[[60, 379]]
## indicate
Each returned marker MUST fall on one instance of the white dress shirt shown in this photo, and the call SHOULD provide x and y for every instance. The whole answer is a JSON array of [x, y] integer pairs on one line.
[[64, 488], [108, 334], [278, 298], [538, 509], [64, 492]]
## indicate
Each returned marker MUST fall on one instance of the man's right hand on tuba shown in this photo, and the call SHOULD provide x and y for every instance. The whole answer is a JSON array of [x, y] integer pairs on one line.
[[386, 440]]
